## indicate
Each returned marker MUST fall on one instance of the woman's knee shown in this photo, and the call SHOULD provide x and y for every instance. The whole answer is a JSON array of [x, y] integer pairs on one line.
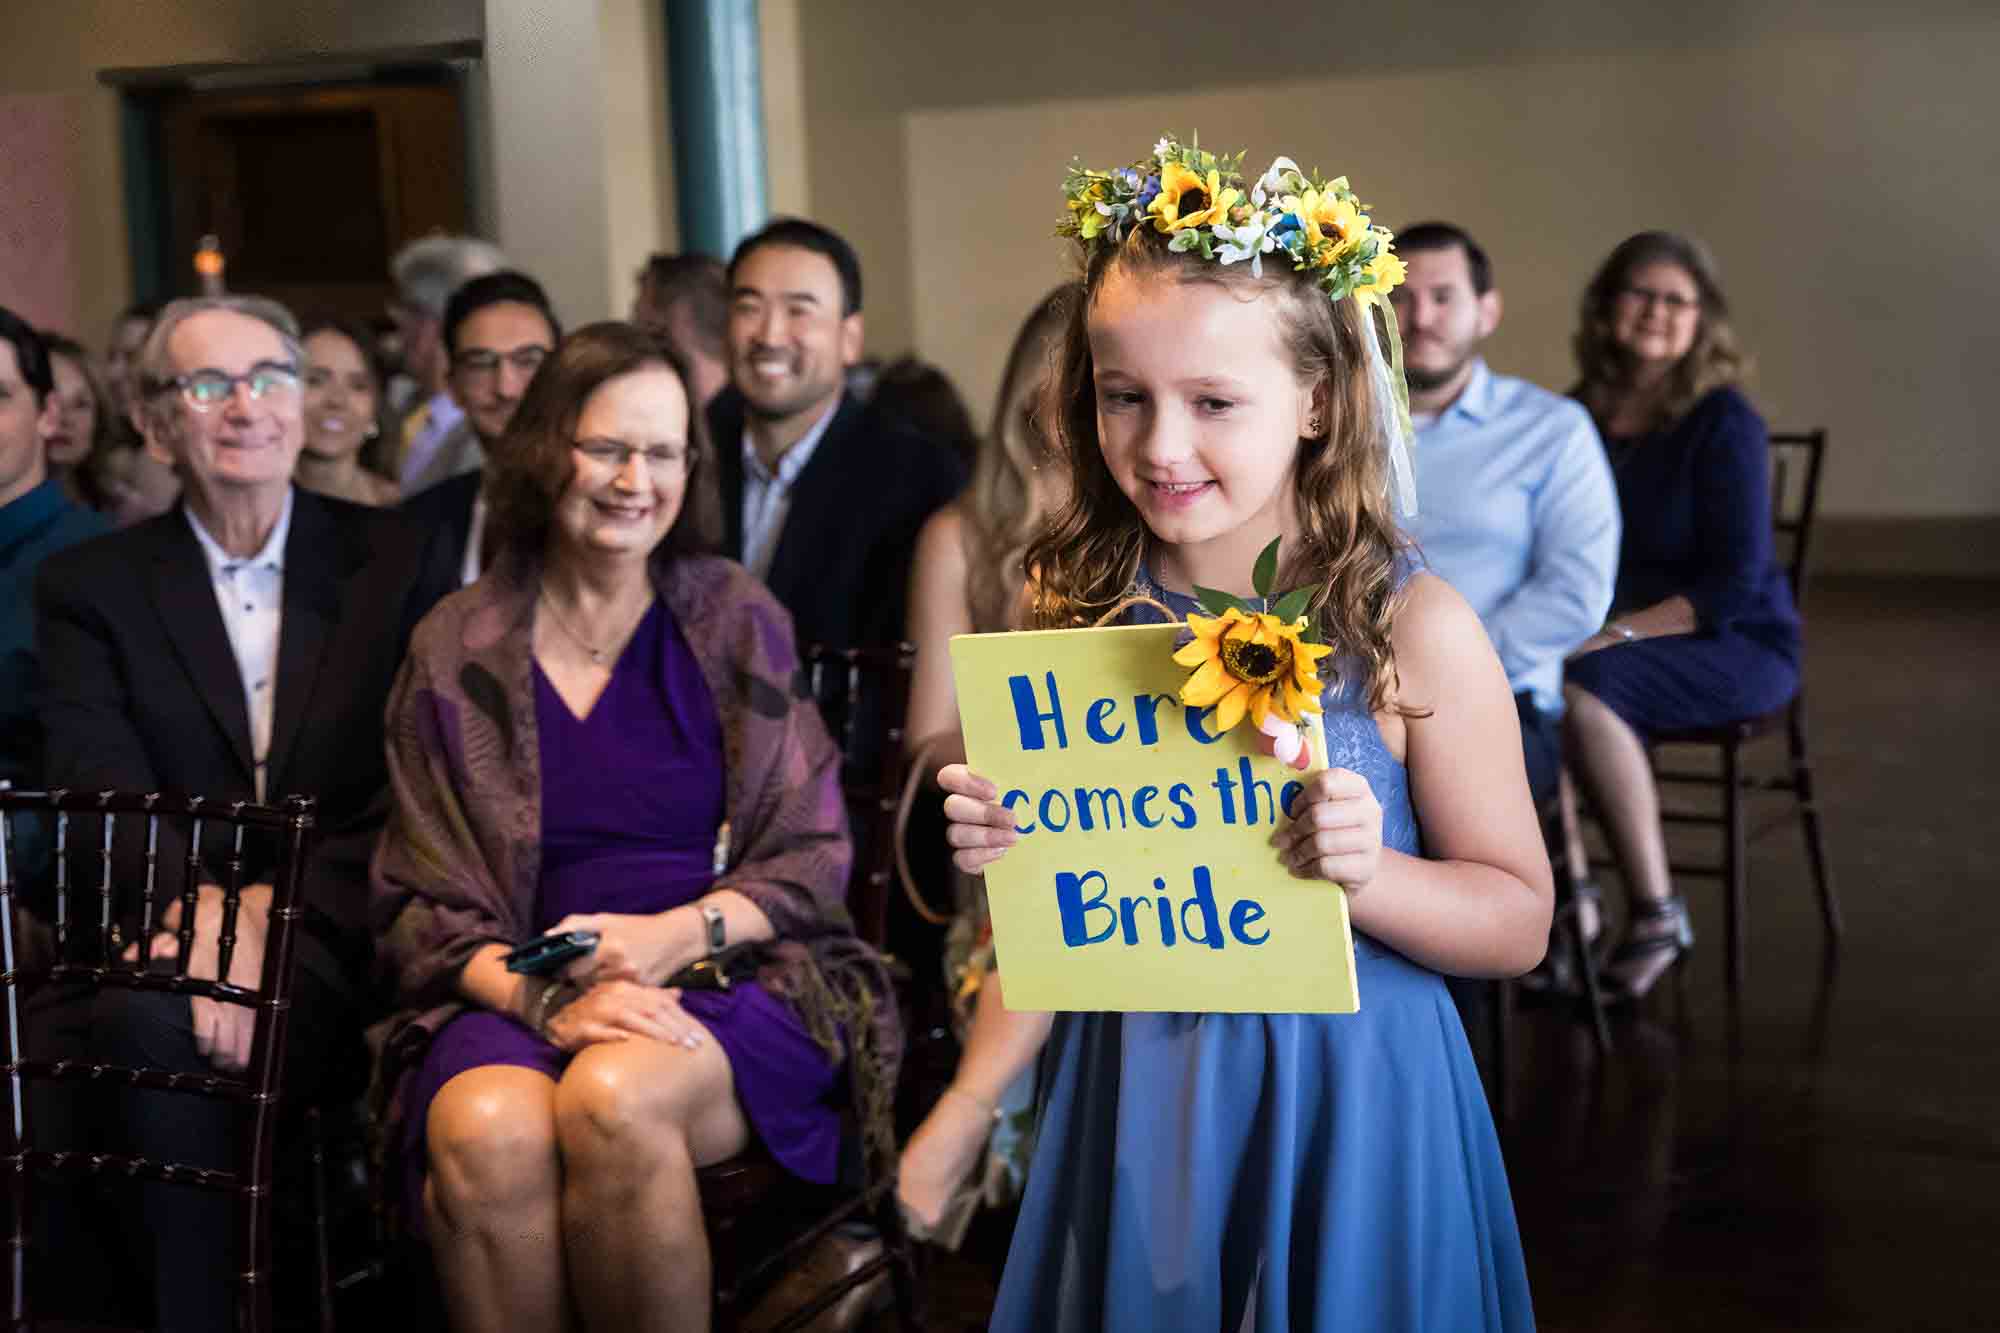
[[491, 1139], [634, 1098]]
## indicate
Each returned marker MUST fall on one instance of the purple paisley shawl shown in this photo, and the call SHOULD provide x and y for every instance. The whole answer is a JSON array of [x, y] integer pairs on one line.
[[460, 862]]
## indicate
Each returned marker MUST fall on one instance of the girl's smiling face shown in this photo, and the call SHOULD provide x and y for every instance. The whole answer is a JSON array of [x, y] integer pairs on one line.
[[1199, 415]]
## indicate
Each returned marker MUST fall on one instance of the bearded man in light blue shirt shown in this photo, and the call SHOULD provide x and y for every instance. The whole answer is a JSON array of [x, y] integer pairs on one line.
[[1517, 509]]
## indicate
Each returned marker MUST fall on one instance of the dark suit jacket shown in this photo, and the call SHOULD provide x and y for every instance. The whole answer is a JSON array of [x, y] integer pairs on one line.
[[444, 512], [142, 691], [842, 566]]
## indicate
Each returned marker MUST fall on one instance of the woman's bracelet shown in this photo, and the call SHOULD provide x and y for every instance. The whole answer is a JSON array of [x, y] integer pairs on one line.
[[1618, 629], [538, 1008]]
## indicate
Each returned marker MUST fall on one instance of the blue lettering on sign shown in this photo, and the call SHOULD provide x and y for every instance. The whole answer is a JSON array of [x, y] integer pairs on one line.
[[1076, 909], [1084, 903], [1196, 729], [1008, 800], [1028, 714], [1245, 914], [1093, 722]]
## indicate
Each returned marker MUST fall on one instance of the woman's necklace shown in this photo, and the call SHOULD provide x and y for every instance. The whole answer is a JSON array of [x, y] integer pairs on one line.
[[598, 656]]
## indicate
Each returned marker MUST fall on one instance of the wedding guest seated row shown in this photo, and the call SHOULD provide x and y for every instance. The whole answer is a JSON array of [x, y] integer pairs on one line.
[[37, 519], [431, 440], [1703, 629], [238, 647], [602, 734]]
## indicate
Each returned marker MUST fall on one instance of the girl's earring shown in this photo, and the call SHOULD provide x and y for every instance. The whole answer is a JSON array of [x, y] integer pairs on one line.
[[1312, 425]]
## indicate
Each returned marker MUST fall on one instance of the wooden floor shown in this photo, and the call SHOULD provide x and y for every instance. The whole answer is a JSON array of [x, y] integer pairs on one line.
[[1827, 1154]]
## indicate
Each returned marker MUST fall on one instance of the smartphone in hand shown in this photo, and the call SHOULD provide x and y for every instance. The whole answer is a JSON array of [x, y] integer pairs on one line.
[[540, 957]]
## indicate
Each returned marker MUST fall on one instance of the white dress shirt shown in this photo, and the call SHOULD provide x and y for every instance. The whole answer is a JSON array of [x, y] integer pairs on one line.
[[251, 595], [475, 534], [767, 495]]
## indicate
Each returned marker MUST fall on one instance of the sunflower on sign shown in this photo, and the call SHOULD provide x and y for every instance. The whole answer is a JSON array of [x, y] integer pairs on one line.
[[1263, 664]]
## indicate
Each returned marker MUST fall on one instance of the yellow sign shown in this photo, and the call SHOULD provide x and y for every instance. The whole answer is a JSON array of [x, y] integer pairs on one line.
[[1144, 878]]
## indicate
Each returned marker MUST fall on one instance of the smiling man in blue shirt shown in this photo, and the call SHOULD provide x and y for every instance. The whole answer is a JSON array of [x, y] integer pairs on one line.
[[1516, 504]]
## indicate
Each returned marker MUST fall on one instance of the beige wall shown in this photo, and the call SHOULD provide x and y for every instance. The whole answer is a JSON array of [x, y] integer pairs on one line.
[[58, 49], [1840, 162]]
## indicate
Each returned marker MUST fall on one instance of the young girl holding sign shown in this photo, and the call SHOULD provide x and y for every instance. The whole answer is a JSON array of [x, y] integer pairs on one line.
[[1223, 385]]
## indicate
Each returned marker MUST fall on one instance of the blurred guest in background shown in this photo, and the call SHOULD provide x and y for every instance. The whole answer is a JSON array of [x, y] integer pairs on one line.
[[685, 300], [968, 578], [430, 444], [1703, 629], [498, 329], [921, 398], [36, 520], [83, 425], [819, 500], [128, 335], [343, 403], [1515, 504]]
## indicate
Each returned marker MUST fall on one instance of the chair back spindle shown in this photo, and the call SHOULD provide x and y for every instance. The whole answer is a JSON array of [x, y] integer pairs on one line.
[[1796, 460]]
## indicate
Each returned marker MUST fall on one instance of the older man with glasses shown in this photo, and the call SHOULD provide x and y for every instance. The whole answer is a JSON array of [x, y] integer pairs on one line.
[[241, 647]]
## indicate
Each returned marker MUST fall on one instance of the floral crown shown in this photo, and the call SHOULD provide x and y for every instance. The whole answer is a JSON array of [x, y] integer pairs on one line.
[[1204, 203]]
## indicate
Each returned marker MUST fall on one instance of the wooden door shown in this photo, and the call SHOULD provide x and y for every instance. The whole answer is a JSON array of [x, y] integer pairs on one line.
[[311, 190]]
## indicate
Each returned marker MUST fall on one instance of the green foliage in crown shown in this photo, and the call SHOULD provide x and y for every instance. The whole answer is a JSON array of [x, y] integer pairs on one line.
[[1204, 203]]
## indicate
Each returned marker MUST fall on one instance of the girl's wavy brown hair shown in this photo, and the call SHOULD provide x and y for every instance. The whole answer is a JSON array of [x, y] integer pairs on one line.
[[1346, 543], [1715, 359]]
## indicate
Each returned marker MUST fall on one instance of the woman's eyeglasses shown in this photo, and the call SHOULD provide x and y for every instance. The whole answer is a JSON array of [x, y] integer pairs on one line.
[[1646, 298], [206, 390], [661, 459]]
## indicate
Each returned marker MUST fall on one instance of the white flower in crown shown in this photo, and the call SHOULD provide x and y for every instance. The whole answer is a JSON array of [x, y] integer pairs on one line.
[[1251, 241], [1162, 148], [1273, 181]]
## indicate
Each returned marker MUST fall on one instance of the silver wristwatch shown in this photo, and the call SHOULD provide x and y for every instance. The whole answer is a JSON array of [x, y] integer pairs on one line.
[[718, 926]]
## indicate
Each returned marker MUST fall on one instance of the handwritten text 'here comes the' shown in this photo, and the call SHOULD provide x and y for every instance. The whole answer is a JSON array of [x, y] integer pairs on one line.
[[1144, 878]]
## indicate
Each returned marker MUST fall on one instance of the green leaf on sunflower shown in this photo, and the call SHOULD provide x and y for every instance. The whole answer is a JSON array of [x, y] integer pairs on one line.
[[1216, 603], [1265, 572], [1293, 604]]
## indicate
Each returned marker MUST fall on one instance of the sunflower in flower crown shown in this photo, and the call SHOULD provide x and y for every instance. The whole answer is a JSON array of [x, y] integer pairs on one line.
[[1259, 664]]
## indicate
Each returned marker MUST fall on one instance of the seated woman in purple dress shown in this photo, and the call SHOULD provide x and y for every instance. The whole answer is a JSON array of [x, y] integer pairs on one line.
[[602, 734], [1702, 630]]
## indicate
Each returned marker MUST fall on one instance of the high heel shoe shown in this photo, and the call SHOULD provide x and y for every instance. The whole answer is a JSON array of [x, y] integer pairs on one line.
[[1658, 928], [954, 1219]]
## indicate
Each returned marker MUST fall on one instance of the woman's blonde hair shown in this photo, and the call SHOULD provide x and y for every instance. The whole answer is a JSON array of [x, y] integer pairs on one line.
[[1715, 359], [1347, 544], [998, 507]]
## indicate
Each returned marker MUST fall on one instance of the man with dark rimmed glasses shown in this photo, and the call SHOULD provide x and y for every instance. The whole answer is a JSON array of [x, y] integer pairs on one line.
[[239, 647], [498, 329]]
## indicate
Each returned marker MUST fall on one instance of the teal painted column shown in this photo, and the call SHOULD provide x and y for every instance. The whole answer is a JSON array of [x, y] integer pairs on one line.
[[146, 202], [716, 87]]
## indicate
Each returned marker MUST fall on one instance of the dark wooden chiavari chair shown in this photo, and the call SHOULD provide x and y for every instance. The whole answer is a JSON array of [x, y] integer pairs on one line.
[[862, 694], [91, 922]]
